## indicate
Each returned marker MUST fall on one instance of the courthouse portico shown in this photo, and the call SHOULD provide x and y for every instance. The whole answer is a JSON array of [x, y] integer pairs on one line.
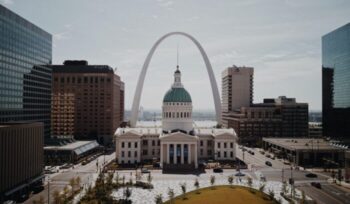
[[178, 148]]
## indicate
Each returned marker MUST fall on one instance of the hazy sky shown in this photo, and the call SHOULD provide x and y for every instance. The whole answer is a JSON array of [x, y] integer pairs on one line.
[[281, 39]]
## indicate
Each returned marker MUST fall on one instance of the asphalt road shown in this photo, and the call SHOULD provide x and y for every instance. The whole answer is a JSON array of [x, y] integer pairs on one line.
[[59, 180]]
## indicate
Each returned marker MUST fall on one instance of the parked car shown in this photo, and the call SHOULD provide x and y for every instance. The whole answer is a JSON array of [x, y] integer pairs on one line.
[[311, 175], [286, 163], [262, 152], [268, 163], [84, 162], [316, 185], [239, 174], [218, 170], [268, 156], [273, 158], [156, 165], [145, 171]]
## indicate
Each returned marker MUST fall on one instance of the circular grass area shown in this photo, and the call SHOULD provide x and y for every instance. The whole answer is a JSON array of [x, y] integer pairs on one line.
[[224, 195]]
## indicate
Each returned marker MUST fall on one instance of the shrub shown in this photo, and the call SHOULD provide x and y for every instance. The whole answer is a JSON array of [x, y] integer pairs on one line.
[[183, 189], [159, 199], [196, 184], [171, 195], [212, 180], [230, 180]]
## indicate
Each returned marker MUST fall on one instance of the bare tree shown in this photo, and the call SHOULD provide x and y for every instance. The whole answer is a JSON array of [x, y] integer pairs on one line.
[[127, 193], [196, 185], [183, 189], [212, 180], [171, 195], [149, 178], [230, 180], [159, 199]]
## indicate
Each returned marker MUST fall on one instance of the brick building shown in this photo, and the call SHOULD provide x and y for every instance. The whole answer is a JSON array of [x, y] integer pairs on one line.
[[87, 101]]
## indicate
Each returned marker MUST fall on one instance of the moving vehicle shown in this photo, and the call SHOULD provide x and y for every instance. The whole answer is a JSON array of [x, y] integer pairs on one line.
[[145, 171], [311, 175], [316, 185], [268, 163], [218, 170]]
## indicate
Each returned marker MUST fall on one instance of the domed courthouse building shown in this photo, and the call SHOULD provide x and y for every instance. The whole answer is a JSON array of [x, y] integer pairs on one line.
[[177, 144]]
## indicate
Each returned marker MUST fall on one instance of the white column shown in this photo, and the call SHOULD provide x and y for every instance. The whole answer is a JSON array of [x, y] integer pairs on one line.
[[182, 153], [168, 153], [139, 151], [189, 153], [195, 156], [175, 149], [161, 155]]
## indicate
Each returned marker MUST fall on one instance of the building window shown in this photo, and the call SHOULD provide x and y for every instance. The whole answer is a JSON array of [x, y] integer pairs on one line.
[[153, 152], [219, 145], [219, 154], [231, 154], [122, 153], [129, 154], [231, 144], [123, 144], [135, 144], [225, 155], [153, 143], [129, 144], [144, 152], [135, 154], [201, 143], [209, 143], [158, 142], [224, 144], [145, 142], [209, 152]]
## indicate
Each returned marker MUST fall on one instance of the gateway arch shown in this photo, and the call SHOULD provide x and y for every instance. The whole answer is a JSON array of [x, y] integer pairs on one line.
[[214, 87]]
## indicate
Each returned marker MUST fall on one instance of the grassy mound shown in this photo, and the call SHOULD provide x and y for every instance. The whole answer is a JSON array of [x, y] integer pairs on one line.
[[224, 195]]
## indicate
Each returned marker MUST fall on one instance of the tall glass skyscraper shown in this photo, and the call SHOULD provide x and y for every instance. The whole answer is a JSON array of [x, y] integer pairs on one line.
[[336, 83], [25, 85]]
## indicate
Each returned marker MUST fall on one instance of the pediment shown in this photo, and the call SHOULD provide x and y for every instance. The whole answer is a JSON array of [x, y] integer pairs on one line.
[[225, 135], [178, 136], [130, 134]]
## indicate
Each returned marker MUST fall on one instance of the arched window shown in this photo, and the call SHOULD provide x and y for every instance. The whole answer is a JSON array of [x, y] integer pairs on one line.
[[181, 114]]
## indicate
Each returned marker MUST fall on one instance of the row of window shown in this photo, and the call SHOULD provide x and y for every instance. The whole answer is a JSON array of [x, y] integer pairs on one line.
[[129, 153], [177, 114], [79, 80], [225, 144]]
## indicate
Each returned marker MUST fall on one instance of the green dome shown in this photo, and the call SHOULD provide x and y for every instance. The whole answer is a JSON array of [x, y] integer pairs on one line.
[[177, 95]]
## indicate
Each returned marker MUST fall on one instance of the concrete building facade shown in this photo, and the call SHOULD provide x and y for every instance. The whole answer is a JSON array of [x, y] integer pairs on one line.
[[237, 88], [21, 158], [280, 117]]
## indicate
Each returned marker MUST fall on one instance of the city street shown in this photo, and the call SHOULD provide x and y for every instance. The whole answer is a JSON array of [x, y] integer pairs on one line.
[[329, 193], [58, 181]]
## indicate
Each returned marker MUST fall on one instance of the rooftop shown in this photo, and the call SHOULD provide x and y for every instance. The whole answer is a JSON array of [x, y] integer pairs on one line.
[[80, 66], [303, 143]]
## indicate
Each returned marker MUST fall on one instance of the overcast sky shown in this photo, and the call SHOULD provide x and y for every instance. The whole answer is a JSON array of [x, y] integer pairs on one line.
[[281, 39]]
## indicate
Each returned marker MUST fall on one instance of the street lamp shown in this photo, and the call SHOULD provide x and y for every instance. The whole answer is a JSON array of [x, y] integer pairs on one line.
[[48, 189]]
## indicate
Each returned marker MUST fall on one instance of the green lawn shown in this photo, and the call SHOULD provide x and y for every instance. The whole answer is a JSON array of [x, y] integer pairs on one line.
[[224, 195]]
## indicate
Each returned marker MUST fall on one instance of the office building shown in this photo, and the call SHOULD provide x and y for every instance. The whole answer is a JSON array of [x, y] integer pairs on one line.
[[280, 117], [306, 152], [87, 101], [21, 158], [335, 83], [25, 85], [237, 88]]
